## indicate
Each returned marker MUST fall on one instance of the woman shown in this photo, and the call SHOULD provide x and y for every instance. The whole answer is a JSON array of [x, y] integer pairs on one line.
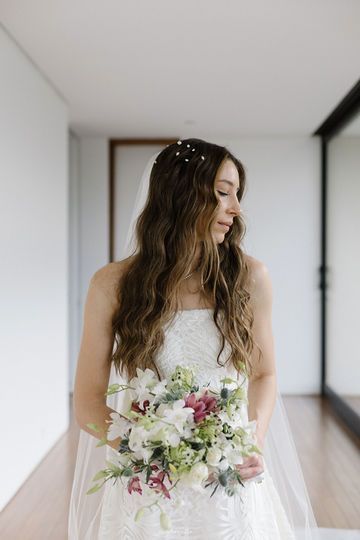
[[187, 294]]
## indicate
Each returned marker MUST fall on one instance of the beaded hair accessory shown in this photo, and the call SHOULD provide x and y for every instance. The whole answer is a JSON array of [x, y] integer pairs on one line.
[[178, 153]]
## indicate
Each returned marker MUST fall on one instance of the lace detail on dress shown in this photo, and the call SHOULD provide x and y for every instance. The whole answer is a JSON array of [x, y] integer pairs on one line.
[[193, 339], [256, 513]]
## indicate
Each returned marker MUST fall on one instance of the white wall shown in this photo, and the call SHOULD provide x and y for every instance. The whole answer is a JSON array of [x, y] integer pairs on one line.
[[89, 225], [282, 211], [282, 207], [74, 254], [34, 267]]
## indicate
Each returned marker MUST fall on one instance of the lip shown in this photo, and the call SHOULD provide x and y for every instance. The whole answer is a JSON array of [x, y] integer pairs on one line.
[[224, 225]]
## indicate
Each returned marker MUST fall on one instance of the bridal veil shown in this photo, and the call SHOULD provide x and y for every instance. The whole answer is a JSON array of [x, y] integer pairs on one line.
[[279, 451]]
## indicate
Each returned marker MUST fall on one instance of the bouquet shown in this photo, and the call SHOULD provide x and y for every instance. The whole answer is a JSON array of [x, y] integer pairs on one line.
[[176, 432]]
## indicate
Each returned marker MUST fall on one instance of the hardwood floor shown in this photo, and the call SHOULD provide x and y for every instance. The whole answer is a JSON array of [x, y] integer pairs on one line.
[[330, 458], [353, 402], [328, 452]]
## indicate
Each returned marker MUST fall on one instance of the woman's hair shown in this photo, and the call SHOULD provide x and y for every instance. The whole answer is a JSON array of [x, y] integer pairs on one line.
[[182, 206]]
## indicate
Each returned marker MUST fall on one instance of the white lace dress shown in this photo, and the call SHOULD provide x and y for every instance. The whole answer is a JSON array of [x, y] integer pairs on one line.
[[255, 514]]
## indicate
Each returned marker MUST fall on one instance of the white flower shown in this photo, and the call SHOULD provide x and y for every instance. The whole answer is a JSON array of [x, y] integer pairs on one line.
[[223, 465], [119, 426], [123, 459], [233, 456], [213, 456], [175, 413], [165, 434], [197, 474], [187, 433], [159, 387], [157, 433], [174, 439], [142, 384], [138, 436], [144, 454]]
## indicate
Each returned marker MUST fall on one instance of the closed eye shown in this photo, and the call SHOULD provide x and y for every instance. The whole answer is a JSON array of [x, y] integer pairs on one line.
[[222, 193]]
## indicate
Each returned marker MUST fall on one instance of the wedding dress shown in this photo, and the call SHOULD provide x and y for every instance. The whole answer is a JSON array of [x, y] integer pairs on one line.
[[278, 508], [256, 513]]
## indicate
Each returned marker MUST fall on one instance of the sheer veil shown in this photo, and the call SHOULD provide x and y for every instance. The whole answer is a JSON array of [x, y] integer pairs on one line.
[[280, 455]]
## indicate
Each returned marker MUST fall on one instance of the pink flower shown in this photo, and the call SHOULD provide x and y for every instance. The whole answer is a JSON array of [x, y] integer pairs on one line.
[[136, 406], [134, 485], [202, 406], [157, 483]]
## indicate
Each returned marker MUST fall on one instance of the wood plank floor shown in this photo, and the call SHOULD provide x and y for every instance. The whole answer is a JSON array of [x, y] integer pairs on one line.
[[328, 452]]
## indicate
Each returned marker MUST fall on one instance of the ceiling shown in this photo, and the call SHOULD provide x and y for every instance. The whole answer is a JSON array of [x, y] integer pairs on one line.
[[202, 68]]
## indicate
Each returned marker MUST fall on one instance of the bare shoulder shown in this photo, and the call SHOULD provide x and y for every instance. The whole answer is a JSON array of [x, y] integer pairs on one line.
[[106, 278], [260, 281]]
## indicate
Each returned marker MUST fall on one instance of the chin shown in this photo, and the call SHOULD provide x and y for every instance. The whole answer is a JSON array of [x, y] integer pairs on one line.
[[219, 237]]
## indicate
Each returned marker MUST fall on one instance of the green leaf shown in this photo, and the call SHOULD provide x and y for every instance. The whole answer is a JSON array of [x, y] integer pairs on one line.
[[127, 471], [99, 475], [223, 478], [94, 489], [113, 467], [94, 427], [254, 448], [102, 441], [148, 473], [215, 488], [227, 380], [112, 388]]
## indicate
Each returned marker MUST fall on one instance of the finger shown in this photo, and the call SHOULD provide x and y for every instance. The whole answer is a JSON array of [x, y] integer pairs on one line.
[[253, 462], [250, 472]]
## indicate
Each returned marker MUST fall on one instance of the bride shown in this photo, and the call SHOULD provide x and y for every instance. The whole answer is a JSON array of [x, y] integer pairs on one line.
[[186, 293]]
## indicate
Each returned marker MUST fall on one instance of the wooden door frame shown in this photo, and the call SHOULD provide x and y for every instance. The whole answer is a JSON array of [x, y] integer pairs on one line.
[[113, 145]]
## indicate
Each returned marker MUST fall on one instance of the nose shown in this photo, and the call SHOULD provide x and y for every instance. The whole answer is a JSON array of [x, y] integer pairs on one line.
[[235, 207]]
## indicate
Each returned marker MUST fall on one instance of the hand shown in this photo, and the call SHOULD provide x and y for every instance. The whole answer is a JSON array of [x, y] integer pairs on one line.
[[252, 466]]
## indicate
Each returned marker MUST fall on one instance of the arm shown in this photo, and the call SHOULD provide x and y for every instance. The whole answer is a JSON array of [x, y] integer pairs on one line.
[[263, 384], [93, 367]]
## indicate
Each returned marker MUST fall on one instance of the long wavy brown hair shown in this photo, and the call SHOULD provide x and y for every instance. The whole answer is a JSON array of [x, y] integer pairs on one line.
[[179, 212]]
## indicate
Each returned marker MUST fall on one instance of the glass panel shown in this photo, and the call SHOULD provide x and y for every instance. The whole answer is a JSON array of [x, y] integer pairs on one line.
[[343, 255]]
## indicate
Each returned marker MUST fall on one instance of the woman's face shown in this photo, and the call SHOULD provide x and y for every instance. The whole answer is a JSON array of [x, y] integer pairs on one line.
[[226, 186]]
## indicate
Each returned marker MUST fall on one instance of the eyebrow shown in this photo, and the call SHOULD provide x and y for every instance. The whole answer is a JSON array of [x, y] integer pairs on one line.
[[229, 182]]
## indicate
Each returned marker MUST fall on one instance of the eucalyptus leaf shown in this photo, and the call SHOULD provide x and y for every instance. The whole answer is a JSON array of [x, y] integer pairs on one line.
[[127, 471], [94, 489]]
